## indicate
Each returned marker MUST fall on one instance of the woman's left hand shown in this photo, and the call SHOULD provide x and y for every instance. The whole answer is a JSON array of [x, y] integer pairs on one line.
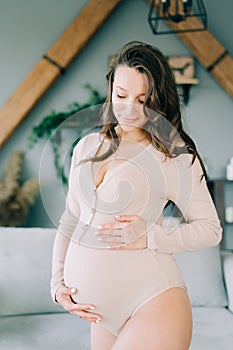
[[129, 232]]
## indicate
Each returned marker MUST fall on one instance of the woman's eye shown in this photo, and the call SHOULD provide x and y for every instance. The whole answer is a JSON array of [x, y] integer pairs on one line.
[[120, 96], [141, 102]]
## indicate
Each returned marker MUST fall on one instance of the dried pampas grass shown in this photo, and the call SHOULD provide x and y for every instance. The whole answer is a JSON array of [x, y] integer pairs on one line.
[[16, 198]]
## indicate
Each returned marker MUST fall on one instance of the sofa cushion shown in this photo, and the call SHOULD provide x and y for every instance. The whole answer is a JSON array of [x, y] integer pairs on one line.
[[25, 270], [212, 329], [44, 332], [202, 272], [228, 273]]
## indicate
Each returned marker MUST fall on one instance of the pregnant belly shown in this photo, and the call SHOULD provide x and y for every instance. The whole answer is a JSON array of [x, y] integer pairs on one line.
[[93, 272], [111, 278]]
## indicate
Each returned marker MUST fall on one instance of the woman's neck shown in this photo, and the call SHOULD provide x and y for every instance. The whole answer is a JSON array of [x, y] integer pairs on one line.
[[137, 135]]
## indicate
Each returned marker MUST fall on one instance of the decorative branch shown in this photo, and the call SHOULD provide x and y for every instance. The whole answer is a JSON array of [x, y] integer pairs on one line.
[[47, 127]]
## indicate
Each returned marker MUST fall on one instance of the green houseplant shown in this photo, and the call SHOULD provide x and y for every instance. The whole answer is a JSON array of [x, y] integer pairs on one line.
[[50, 125]]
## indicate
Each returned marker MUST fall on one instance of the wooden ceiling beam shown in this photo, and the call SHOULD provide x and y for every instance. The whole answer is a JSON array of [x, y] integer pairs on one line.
[[50, 66], [208, 50]]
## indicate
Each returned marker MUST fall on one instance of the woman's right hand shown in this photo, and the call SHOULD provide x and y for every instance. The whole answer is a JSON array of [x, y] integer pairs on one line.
[[64, 298]]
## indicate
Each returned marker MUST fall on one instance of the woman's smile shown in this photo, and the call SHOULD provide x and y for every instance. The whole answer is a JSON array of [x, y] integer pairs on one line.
[[129, 120]]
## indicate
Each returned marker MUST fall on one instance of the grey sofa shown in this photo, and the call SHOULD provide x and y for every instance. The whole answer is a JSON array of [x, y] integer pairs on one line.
[[30, 320]]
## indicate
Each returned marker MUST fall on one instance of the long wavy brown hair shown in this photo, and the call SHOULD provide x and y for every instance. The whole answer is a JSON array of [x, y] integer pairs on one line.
[[161, 106]]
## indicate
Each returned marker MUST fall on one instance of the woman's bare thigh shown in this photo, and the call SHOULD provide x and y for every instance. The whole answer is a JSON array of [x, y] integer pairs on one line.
[[164, 323], [101, 338]]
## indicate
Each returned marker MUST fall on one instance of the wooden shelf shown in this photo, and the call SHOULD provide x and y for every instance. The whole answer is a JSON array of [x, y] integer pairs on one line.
[[185, 81]]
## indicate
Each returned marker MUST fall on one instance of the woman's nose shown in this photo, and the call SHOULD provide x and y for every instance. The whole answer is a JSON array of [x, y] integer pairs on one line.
[[129, 108]]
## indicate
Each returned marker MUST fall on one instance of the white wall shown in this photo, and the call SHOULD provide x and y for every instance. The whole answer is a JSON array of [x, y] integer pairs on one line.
[[28, 28]]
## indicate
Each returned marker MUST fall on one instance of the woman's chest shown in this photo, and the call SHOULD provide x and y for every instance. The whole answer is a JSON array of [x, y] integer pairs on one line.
[[101, 170], [131, 186]]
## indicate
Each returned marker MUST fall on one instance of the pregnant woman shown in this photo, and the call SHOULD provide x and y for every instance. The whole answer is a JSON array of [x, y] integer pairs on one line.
[[112, 257]]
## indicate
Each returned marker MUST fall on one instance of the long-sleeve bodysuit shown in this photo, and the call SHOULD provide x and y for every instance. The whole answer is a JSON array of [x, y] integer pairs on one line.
[[119, 282]]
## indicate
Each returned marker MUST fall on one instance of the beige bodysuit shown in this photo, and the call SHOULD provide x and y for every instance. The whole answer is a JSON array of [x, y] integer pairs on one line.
[[119, 282]]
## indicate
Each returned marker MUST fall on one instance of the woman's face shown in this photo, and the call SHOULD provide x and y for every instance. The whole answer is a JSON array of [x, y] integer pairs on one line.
[[128, 95]]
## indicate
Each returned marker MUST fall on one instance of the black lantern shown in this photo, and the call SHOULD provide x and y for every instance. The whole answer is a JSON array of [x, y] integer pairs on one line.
[[176, 11]]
